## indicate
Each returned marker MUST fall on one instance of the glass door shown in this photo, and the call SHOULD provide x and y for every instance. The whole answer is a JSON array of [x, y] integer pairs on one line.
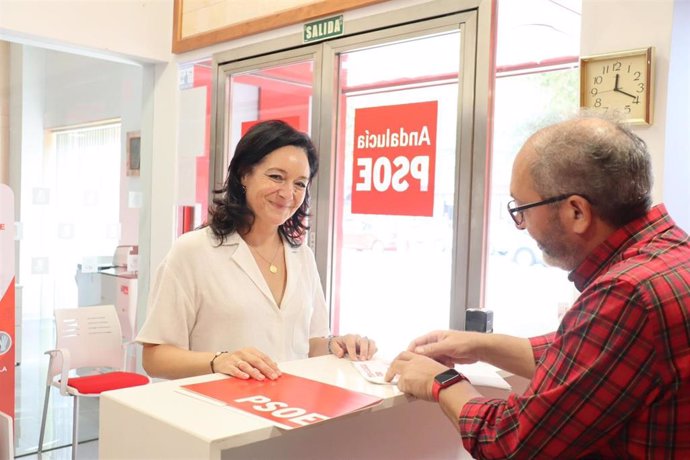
[[395, 182], [392, 114], [258, 90]]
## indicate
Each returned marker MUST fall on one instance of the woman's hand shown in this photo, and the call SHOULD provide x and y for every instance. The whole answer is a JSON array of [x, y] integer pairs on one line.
[[246, 363], [355, 346]]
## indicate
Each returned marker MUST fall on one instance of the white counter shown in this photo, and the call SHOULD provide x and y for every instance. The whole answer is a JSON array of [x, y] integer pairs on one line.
[[158, 421]]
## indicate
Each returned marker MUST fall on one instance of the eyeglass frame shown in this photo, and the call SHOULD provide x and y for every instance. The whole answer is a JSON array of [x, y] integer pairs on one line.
[[534, 204]]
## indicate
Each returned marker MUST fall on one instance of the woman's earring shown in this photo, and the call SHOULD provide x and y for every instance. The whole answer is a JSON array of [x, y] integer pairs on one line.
[[244, 189]]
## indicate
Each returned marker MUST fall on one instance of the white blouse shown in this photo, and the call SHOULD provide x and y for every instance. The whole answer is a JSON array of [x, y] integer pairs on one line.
[[207, 297]]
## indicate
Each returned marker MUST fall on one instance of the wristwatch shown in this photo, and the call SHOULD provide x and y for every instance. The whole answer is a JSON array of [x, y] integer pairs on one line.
[[446, 379]]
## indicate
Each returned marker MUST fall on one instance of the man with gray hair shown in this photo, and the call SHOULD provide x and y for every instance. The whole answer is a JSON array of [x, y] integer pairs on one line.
[[614, 380]]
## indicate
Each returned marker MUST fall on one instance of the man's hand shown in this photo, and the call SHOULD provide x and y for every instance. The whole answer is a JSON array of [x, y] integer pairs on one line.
[[416, 374], [448, 347]]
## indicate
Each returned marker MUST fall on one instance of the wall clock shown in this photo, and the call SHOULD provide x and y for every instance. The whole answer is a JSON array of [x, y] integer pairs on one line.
[[619, 83]]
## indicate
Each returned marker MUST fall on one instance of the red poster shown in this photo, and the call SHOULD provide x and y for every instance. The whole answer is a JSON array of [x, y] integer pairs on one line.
[[395, 159], [288, 402], [7, 322]]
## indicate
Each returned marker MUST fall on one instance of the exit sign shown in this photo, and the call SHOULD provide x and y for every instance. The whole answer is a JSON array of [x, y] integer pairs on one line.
[[323, 29]]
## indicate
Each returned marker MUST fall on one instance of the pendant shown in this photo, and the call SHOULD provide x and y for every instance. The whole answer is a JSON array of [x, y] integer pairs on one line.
[[272, 268]]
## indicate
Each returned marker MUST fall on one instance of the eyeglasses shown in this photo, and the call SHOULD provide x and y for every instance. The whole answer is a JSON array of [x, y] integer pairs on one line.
[[517, 212]]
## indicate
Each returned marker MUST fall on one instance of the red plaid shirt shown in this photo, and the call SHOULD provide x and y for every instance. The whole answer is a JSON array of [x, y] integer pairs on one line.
[[614, 380]]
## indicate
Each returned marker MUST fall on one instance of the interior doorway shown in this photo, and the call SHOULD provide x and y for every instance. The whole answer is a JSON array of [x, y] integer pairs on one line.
[[78, 201]]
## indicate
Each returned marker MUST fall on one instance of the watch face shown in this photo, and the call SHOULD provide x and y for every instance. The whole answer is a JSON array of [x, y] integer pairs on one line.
[[447, 377], [618, 84]]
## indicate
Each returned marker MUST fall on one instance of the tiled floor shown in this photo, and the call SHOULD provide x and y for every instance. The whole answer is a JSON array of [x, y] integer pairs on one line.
[[37, 337], [85, 451]]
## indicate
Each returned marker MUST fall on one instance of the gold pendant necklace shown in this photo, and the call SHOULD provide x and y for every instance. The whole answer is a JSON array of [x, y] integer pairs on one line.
[[271, 266]]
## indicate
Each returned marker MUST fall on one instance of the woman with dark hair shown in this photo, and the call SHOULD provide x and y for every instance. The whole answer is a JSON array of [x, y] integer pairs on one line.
[[243, 291]]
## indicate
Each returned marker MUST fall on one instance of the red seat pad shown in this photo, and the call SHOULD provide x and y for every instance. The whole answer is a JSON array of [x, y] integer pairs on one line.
[[95, 384]]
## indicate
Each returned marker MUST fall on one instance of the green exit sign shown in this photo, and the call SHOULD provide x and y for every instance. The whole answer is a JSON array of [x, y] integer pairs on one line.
[[323, 28]]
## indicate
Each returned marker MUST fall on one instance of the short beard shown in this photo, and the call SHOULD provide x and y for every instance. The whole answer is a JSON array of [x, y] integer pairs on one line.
[[556, 249]]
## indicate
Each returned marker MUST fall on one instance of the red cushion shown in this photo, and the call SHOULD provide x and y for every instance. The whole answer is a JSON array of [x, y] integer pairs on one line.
[[95, 384]]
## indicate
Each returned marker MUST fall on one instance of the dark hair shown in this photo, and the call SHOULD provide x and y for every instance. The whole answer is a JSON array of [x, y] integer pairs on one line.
[[230, 212], [598, 158]]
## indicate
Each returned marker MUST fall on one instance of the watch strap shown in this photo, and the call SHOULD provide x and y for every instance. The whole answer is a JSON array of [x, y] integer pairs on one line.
[[438, 386]]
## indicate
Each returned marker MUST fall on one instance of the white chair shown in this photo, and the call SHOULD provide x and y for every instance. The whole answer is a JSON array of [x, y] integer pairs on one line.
[[6, 437], [86, 337]]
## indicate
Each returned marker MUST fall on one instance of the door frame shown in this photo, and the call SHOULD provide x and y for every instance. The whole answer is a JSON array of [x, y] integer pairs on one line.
[[474, 17]]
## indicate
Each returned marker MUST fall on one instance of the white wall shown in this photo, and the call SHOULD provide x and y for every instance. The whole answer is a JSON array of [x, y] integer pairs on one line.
[[619, 25], [676, 186], [136, 29], [80, 89]]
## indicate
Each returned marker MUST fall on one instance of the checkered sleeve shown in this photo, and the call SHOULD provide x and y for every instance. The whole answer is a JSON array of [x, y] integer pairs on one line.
[[595, 373], [540, 344]]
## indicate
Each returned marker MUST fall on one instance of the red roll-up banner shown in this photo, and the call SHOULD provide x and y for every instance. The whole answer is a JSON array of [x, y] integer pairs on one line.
[[7, 320]]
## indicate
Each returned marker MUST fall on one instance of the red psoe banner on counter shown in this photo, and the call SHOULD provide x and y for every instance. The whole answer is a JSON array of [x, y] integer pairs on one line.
[[7, 323], [394, 159], [288, 402]]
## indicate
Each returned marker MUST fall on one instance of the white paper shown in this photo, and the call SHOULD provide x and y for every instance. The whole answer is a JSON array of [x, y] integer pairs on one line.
[[374, 371], [479, 374], [483, 375]]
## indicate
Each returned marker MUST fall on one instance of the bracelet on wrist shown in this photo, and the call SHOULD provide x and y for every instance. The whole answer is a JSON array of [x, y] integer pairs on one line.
[[218, 353], [330, 341]]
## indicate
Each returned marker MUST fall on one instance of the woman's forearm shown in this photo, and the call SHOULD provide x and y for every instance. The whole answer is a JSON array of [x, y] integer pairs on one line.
[[170, 362]]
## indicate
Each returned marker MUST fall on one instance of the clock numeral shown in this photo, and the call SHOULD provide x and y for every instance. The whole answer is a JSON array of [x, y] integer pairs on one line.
[[597, 102], [640, 87], [627, 109], [605, 69], [637, 75], [617, 66], [594, 91], [598, 80], [628, 68], [636, 100]]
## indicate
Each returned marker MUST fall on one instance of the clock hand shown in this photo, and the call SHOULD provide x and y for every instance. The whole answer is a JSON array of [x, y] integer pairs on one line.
[[627, 94], [615, 86]]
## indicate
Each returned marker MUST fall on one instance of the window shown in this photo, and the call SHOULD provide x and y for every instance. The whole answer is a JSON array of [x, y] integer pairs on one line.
[[383, 255], [537, 81], [80, 180]]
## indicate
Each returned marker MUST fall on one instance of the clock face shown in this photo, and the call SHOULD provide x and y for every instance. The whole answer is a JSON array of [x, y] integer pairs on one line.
[[618, 83]]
